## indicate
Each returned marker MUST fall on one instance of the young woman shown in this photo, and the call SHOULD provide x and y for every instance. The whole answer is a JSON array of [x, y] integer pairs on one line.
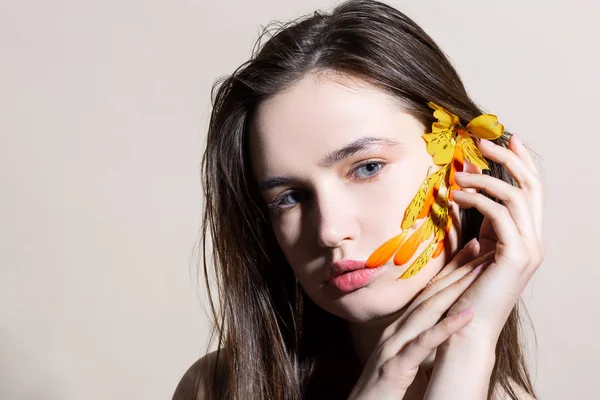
[[315, 150]]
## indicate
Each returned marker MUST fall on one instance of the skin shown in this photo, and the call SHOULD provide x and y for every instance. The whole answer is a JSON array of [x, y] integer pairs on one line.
[[338, 211], [330, 211]]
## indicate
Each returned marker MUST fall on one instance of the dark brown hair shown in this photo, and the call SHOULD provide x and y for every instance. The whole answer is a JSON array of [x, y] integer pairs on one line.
[[269, 333]]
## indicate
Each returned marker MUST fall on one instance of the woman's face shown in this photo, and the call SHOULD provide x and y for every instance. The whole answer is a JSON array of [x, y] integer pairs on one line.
[[339, 161]]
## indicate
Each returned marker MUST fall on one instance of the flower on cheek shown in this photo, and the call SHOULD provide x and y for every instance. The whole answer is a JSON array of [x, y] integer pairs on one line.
[[427, 216]]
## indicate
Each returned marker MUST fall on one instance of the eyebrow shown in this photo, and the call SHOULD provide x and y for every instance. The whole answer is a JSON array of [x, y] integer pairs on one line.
[[360, 145]]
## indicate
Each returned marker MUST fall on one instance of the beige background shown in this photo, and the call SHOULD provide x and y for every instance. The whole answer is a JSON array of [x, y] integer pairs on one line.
[[103, 109]]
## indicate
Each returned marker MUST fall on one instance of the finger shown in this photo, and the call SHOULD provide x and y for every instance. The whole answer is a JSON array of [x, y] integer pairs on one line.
[[439, 283], [537, 196], [436, 285], [464, 255], [517, 146], [514, 199], [527, 179], [476, 266], [472, 168], [427, 313], [522, 174], [420, 348], [498, 215]]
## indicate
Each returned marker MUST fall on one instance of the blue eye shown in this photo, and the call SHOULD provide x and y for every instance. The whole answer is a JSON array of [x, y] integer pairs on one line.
[[291, 197], [285, 200], [288, 200], [370, 169]]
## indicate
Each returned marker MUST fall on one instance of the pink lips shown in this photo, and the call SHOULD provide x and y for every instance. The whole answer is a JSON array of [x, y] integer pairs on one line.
[[349, 275]]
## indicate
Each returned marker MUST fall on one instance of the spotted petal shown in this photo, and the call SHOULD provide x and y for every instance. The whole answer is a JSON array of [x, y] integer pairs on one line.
[[416, 204], [471, 152], [420, 204], [439, 213], [440, 146], [421, 261], [438, 250]]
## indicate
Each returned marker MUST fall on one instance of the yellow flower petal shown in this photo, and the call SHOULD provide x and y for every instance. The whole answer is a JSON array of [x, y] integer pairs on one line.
[[421, 200], [446, 120], [471, 152], [440, 146], [416, 205], [439, 213], [421, 261], [486, 126]]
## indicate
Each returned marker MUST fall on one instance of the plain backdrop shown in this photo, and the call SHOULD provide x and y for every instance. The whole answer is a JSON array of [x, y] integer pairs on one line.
[[103, 114]]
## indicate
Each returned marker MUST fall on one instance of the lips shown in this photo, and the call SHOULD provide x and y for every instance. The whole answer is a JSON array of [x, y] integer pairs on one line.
[[349, 275]]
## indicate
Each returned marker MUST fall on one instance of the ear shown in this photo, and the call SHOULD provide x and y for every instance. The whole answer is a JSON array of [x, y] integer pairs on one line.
[[472, 168]]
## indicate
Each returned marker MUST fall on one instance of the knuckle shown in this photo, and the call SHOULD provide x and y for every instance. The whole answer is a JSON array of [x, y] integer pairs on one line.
[[426, 305], [446, 326], [422, 340], [385, 353], [464, 282], [389, 369], [535, 183], [542, 252], [537, 259], [517, 195], [503, 210], [431, 288], [396, 371]]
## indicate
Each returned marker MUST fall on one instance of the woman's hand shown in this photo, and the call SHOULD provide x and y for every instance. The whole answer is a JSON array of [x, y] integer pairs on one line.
[[512, 231], [406, 343]]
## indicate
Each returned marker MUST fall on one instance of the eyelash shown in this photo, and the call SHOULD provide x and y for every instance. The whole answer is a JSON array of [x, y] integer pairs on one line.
[[277, 208]]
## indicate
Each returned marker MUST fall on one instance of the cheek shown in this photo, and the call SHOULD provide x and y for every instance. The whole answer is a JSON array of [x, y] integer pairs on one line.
[[385, 202], [287, 232]]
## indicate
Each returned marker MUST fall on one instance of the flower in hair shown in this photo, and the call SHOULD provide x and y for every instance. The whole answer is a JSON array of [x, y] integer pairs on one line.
[[427, 216]]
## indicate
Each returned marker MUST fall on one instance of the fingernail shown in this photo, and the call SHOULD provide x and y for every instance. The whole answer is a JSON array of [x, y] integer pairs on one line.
[[516, 138], [466, 311], [470, 244], [484, 142], [480, 268]]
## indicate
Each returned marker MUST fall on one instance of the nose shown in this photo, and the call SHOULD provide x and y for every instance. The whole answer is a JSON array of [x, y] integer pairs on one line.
[[336, 220]]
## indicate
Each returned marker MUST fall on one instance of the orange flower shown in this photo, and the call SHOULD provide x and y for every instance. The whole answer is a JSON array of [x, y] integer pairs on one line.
[[449, 143]]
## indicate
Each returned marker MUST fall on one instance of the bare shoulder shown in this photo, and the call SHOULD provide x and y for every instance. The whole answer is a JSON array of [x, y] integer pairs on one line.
[[500, 393], [192, 385]]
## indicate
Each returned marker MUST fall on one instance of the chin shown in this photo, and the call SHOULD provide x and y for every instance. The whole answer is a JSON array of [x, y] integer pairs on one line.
[[371, 302]]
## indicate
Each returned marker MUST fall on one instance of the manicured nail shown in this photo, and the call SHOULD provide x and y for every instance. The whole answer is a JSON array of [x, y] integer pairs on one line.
[[465, 312], [485, 142], [471, 243], [480, 268], [516, 139]]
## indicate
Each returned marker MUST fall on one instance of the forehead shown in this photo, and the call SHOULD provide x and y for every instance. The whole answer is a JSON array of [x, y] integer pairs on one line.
[[321, 113]]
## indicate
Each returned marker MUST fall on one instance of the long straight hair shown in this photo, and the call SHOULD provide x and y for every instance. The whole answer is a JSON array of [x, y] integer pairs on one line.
[[269, 334]]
